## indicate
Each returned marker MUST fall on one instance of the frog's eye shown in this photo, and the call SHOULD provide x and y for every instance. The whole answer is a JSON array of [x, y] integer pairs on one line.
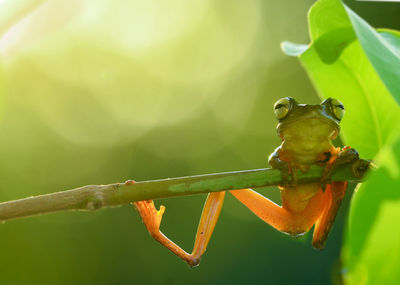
[[337, 109], [282, 107]]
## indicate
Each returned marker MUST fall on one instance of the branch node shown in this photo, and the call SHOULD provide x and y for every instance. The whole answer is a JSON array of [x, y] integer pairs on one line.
[[360, 167]]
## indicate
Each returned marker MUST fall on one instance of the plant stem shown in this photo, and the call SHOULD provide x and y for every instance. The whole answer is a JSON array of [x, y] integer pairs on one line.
[[93, 197]]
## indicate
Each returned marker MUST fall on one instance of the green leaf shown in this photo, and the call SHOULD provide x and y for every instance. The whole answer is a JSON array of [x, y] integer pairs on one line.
[[339, 65], [371, 113], [350, 61], [382, 51], [330, 33], [393, 38], [373, 240], [293, 49]]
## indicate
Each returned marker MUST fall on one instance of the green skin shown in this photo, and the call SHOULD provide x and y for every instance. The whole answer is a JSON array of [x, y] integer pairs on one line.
[[307, 132]]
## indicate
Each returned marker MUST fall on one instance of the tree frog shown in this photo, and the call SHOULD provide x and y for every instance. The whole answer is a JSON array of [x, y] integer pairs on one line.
[[307, 132]]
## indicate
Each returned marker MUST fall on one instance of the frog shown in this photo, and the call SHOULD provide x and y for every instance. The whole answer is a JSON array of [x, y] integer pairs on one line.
[[306, 132]]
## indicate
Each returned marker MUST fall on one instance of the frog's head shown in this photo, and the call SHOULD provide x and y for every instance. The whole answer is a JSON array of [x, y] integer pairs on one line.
[[293, 116]]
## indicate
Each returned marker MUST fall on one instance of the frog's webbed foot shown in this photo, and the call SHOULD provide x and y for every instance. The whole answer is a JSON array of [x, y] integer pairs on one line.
[[152, 218], [339, 157], [288, 170]]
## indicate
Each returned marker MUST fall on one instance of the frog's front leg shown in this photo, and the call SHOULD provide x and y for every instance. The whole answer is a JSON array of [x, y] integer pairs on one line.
[[338, 157], [152, 219], [288, 170]]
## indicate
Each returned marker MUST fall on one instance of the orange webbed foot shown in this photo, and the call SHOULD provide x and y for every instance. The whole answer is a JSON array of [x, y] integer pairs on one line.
[[150, 215], [152, 219], [338, 157]]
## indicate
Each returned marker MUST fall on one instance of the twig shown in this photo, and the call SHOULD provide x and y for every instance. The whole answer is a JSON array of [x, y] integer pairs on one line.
[[93, 197]]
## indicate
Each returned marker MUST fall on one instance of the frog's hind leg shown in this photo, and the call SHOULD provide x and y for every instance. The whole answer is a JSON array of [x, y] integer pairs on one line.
[[152, 218], [264, 208], [282, 218], [334, 194]]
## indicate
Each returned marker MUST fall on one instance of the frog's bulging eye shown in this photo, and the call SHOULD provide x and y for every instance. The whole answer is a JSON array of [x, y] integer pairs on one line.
[[337, 109], [282, 107]]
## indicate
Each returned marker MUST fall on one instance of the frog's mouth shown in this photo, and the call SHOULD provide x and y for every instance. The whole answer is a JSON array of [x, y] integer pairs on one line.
[[309, 117]]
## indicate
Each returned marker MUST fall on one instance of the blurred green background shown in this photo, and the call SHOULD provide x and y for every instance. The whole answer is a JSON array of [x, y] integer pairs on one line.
[[96, 92]]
